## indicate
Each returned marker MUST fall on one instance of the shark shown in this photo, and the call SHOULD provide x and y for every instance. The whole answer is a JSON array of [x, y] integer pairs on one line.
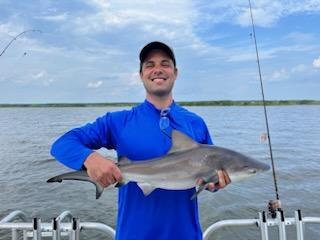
[[179, 169]]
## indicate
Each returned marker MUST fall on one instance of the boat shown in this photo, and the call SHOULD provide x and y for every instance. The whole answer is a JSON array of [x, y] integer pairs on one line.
[[67, 225]]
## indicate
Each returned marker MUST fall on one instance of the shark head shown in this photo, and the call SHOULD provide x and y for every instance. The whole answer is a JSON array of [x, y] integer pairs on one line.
[[246, 169], [237, 165]]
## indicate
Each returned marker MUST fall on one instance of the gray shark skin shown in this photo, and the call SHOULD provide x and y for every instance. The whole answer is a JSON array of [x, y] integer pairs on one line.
[[180, 168]]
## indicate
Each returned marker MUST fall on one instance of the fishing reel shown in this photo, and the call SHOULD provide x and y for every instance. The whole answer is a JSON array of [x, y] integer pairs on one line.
[[273, 207]]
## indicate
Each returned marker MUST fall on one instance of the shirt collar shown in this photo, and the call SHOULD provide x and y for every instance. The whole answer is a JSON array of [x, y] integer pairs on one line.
[[151, 106]]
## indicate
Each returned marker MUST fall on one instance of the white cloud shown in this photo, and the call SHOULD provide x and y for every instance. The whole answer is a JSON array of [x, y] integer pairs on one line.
[[265, 12], [11, 29], [300, 37], [294, 72], [301, 68], [279, 75], [96, 84], [135, 79], [47, 82], [262, 17], [40, 74], [97, 45], [42, 77], [316, 63], [54, 18], [145, 16]]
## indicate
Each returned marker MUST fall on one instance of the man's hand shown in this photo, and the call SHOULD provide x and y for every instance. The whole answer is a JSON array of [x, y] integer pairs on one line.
[[224, 180], [102, 170]]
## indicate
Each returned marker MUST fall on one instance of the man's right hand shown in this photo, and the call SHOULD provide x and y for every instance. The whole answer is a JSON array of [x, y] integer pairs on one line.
[[102, 170]]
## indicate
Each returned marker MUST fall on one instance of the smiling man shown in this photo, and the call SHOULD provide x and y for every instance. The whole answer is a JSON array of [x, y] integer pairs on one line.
[[140, 134], [158, 73]]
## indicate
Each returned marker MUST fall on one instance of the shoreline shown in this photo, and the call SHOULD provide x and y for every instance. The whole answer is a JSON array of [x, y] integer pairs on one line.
[[183, 103]]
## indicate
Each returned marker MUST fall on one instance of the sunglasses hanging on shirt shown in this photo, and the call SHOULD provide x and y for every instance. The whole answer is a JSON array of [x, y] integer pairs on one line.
[[164, 121]]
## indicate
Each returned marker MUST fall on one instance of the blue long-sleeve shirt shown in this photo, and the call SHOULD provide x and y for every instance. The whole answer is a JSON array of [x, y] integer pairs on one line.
[[135, 133]]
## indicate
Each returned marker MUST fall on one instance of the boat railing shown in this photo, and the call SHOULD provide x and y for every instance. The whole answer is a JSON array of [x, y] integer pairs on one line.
[[263, 223], [56, 229], [65, 225]]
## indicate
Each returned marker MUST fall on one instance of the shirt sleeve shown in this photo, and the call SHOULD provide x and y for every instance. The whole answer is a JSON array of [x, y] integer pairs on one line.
[[207, 137], [73, 148]]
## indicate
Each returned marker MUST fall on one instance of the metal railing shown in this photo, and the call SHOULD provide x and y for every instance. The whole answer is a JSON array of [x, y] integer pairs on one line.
[[59, 228], [56, 229], [264, 223]]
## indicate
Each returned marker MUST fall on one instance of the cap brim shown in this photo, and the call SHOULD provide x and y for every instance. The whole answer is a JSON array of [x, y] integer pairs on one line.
[[156, 46]]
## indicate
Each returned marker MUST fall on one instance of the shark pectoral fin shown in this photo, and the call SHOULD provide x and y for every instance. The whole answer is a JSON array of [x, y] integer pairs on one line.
[[205, 183], [200, 189], [214, 179], [146, 188], [119, 184]]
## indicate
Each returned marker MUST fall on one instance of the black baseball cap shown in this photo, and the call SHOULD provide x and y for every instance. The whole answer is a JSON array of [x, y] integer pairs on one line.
[[153, 46]]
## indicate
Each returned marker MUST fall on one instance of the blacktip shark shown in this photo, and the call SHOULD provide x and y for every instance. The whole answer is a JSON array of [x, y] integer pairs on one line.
[[180, 168]]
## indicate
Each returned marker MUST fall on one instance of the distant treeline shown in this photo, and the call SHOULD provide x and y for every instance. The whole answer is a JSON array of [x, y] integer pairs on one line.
[[251, 103], [183, 103]]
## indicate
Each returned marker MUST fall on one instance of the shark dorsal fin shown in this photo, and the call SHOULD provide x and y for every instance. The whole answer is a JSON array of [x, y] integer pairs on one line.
[[181, 141]]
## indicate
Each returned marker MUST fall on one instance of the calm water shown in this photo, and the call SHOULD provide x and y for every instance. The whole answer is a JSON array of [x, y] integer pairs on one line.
[[27, 133]]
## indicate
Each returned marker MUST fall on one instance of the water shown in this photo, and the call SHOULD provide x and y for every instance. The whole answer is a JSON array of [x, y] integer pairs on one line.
[[27, 133]]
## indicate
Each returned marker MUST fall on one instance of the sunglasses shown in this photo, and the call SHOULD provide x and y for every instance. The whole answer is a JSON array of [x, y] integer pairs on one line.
[[164, 121]]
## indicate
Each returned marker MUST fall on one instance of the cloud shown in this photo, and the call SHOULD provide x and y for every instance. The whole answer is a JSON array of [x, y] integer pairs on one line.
[[96, 84], [300, 37], [42, 77], [291, 73], [279, 75], [54, 18], [301, 68], [40, 74], [146, 17], [316, 63], [262, 17], [11, 29], [266, 13], [135, 79]]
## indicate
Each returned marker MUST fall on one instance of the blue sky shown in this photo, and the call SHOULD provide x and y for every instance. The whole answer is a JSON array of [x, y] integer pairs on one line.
[[88, 50]]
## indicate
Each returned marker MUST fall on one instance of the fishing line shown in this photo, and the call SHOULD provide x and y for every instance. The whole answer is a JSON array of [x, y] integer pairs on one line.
[[264, 107]]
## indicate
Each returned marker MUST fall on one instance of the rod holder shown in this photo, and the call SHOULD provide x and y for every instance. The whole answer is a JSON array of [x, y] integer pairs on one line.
[[263, 226], [282, 225], [75, 231], [56, 234], [299, 224], [36, 228]]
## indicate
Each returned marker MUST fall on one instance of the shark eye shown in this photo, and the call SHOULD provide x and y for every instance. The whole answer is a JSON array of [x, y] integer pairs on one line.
[[250, 170]]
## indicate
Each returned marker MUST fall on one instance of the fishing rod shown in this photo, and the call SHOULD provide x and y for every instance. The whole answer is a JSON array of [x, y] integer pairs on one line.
[[16, 37], [272, 204]]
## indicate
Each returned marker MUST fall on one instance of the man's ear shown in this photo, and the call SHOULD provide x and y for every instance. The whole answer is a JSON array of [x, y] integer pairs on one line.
[[176, 72]]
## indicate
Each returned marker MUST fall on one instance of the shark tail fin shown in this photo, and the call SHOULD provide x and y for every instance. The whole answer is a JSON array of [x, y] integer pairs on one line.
[[54, 179], [99, 190]]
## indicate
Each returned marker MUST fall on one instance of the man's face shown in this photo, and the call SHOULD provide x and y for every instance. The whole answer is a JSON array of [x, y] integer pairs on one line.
[[158, 74]]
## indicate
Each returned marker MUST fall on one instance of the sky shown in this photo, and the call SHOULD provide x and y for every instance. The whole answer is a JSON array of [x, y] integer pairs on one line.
[[80, 51]]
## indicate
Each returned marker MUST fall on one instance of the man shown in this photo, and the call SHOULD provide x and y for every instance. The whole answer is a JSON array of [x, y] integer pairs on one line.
[[142, 133]]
